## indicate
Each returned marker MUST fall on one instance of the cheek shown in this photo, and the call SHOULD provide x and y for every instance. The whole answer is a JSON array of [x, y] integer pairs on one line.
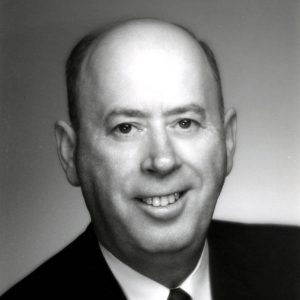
[[110, 167], [206, 156]]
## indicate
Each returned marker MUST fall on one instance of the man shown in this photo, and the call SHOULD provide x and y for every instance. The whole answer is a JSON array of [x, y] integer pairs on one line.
[[150, 145]]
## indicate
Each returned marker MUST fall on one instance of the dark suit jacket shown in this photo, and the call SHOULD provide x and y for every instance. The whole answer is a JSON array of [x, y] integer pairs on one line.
[[246, 262]]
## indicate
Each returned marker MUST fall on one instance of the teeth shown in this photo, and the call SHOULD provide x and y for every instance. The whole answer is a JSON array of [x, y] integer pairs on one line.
[[171, 199], [164, 201], [161, 201], [156, 201]]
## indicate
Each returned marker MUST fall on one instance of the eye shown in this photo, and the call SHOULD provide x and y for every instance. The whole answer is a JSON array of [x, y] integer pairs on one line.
[[185, 123], [124, 128], [127, 130]]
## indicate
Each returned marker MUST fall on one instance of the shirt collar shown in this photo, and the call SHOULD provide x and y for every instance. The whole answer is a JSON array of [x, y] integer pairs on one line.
[[137, 286]]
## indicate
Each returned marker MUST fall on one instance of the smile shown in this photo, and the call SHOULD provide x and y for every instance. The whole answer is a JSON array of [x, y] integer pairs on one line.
[[162, 201]]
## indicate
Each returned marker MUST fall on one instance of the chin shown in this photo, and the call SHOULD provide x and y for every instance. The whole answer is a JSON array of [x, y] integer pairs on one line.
[[170, 243]]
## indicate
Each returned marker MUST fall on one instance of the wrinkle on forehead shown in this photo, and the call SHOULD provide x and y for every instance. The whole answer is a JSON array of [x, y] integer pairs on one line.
[[143, 55]]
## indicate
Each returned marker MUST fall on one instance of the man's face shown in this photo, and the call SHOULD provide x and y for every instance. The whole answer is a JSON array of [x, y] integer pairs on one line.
[[151, 148]]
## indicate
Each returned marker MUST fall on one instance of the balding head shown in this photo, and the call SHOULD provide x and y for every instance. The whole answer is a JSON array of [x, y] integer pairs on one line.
[[129, 38], [152, 148]]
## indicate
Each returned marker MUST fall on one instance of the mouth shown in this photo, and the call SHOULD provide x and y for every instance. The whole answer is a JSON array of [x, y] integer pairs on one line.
[[162, 200]]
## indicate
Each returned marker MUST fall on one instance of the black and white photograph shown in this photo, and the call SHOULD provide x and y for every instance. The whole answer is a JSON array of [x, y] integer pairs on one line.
[[150, 150]]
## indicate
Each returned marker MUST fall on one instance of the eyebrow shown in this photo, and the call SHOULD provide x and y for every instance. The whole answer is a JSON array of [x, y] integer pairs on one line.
[[135, 113], [127, 112], [195, 108]]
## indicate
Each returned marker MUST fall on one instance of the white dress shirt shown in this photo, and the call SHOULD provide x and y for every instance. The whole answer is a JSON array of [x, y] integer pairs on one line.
[[139, 287]]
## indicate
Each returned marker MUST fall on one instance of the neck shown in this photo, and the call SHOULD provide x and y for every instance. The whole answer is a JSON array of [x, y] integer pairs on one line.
[[168, 269]]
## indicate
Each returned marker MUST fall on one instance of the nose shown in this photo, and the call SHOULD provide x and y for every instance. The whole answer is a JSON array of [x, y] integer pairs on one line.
[[161, 158]]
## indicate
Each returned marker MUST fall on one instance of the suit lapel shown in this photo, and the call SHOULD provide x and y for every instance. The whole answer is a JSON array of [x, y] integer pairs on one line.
[[227, 280], [99, 279], [224, 283]]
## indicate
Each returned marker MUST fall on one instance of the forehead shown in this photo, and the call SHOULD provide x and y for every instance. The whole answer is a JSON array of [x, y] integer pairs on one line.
[[143, 57]]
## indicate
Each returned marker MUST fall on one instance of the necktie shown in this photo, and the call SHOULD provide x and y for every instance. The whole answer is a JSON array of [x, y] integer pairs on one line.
[[178, 294]]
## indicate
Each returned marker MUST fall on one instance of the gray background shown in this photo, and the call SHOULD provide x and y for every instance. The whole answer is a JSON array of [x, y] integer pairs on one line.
[[257, 44]]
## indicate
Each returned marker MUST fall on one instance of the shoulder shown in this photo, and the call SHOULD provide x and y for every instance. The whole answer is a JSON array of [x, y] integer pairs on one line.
[[264, 257], [77, 270]]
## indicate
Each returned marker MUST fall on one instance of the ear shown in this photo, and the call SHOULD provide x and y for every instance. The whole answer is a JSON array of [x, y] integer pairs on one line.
[[230, 121], [66, 146]]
